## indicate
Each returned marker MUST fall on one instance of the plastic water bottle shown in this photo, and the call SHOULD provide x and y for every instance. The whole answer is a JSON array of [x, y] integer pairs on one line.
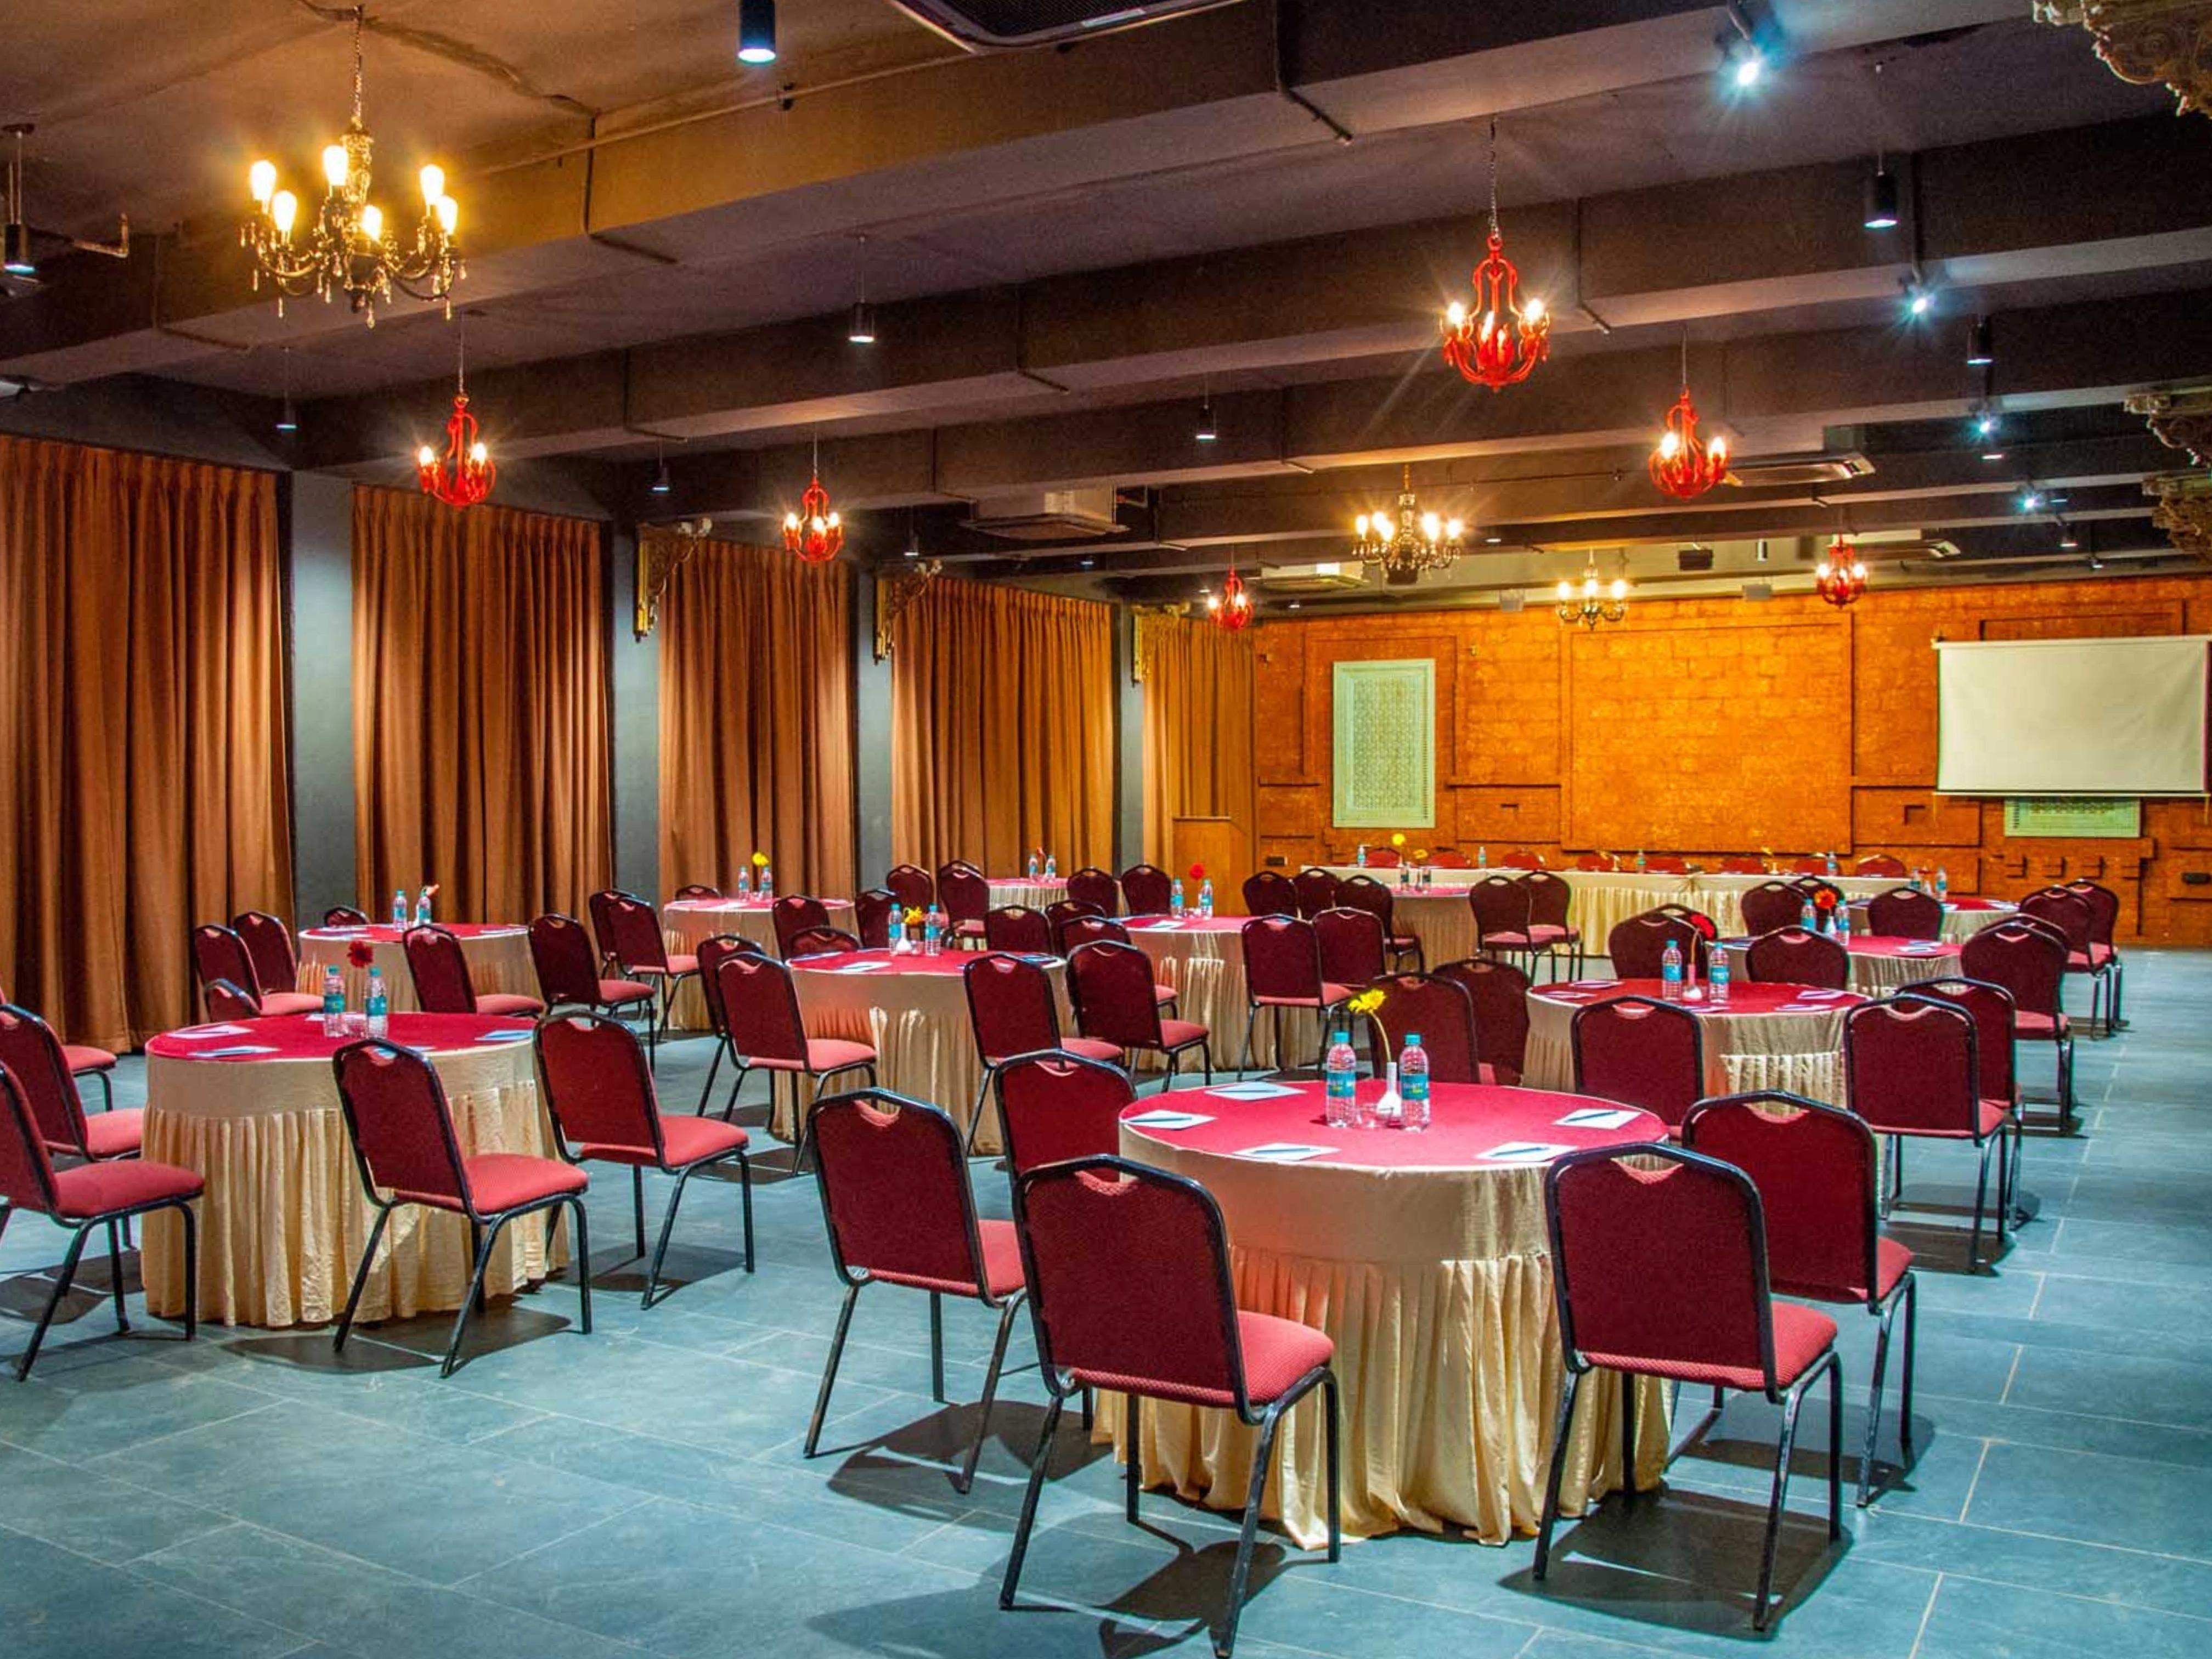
[[1808, 918], [1052, 866], [1359, 857], [932, 930], [1414, 1084], [1482, 857], [767, 884], [1831, 863], [380, 1005], [1341, 1070], [400, 907], [1205, 899], [333, 1004], [745, 883], [1942, 883], [1639, 857], [1670, 972], [1716, 976], [1035, 865], [1844, 925], [1174, 898], [423, 908]]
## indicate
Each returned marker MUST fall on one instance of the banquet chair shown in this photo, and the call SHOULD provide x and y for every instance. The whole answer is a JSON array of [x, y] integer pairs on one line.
[[1352, 943], [1063, 910], [85, 1060], [1017, 927], [1449, 858], [792, 915], [1911, 1070], [711, 954], [1057, 1105], [1549, 931], [1990, 1008], [697, 889], [1770, 905], [2103, 915], [1438, 1010], [873, 911], [899, 1210], [83, 1197], [965, 896], [1811, 887], [344, 916], [1500, 905], [1640, 1052], [219, 953], [1316, 890], [1905, 913], [30, 1048], [226, 1002], [1816, 1168], [1637, 947], [911, 885], [1383, 858], [822, 942], [1663, 1273], [1522, 858], [600, 907], [1117, 1001], [1270, 893], [1147, 890], [641, 953], [568, 970], [1665, 864], [439, 969], [1880, 864], [403, 1145], [1597, 863], [1737, 865], [1070, 931], [760, 1005], [1130, 1289], [269, 942], [2027, 959], [1092, 885], [1499, 995], [1791, 956], [599, 1094], [1810, 864], [1012, 1010], [1365, 893], [1282, 969], [2069, 913]]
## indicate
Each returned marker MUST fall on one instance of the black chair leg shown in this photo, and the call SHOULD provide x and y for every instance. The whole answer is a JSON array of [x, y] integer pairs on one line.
[[1981, 1202], [1251, 1017], [1038, 1465], [54, 1300], [360, 1279], [637, 1203], [707, 1089], [1133, 1479], [1225, 1641], [486, 1238], [115, 1274], [829, 1371], [1560, 1421], [1785, 1443], [937, 1347], [990, 1393], [738, 1070], [745, 1197], [1334, 1405], [583, 1259], [192, 1271], [667, 1226], [1874, 1398]]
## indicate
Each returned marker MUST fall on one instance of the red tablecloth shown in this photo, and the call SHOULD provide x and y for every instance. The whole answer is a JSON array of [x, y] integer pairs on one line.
[[383, 932], [300, 1036]]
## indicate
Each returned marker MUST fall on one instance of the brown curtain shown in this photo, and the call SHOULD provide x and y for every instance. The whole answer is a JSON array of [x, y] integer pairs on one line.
[[144, 779], [756, 720], [1198, 728], [1002, 720], [480, 681]]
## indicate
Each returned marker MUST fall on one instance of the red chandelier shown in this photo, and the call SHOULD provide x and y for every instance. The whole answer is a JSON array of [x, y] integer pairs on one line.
[[1504, 337], [1679, 467], [463, 474], [814, 532], [1231, 608], [1841, 576]]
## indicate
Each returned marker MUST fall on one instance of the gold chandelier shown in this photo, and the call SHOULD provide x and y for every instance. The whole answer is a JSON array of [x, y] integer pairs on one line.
[[1411, 542], [346, 250], [1593, 602]]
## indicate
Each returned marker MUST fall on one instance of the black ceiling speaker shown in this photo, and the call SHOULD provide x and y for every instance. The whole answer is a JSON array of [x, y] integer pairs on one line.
[[981, 23]]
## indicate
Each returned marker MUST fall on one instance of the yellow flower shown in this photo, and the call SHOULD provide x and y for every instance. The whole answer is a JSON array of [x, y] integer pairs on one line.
[[1365, 1003], [913, 916], [760, 861], [1421, 854], [1398, 839]]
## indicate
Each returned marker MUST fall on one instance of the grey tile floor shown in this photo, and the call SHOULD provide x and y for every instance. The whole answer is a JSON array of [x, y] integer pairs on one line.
[[641, 1491]]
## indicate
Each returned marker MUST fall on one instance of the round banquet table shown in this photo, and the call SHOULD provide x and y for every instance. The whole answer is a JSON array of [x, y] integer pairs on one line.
[[1021, 890], [1963, 918], [912, 1009], [284, 1219], [1719, 895], [1203, 957], [1880, 963], [1438, 916], [1765, 1036], [687, 924], [498, 956], [1428, 1264]]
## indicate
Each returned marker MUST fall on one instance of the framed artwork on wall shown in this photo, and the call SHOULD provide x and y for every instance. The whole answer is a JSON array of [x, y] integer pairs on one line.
[[1385, 721]]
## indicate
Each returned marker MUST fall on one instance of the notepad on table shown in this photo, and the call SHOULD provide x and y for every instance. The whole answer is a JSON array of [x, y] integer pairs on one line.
[[1253, 1090], [1523, 1151], [236, 1049], [1285, 1152], [861, 967], [1598, 1117], [1165, 1118], [199, 1033], [506, 1037]]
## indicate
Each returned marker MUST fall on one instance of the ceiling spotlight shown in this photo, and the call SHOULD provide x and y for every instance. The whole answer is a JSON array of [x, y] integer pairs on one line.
[[1919, 298], [1293, 605], [2067, 538], [2095, 563], [16, 256], [661, 482], [1087, 563], [1978, 355], [861, 330], [1993, 454], [1880, 199], [913, 548], [18, 260], [1207, 430], [2031, 500], [756, 31], [1742, 62], [287, 417], [1491, 541], [1985, 424]]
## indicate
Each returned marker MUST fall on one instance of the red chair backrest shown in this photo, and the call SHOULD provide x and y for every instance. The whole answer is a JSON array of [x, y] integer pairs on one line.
[[1594, 861], [1810, 865], [227, 1001], [1549, 894], [1499, 993], [395, 1110], [2067, 911], [1816, 1169], [1092, 885], [963, 892], [1316, 890], [1282, 957], [1638, 945], [822, 942], [1905, 913], [1910, 1063], [1811, 887], [1383, 858], [1112, 987], [1770, 905], [1875, 864], [27, 1174], [1738, 865], [1270, 893], [1500, 904], [1990, 1008], [344, 916], [1441, 1011], [1665, 1266], [1449, 858], [2025, 957], [872, 911], [440, 970], [1791, 956], [1665, 864], [759, 1006], [219, 953], [1128, 1276], [638, 943], [600, 907], [1148, 890], [1640, 1052], [2104, 909], [1061, 911], [1364, 893], [1069, 933], [697, 889], [597, 1084], [793, 914], [1522, 858], [910, 885], [1017, 927], [1055, 1106], [561, 953], [895, 1190], [711, 953], [267, 940], [1010, 1006], [1351, 942], [30, 1048]]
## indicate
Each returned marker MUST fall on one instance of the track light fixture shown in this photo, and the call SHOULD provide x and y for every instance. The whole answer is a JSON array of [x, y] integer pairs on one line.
[[1743, 57], [1881, 198], [662, 484], [1208, 430], [756, 31], [861, 329], [2031, 500], [287, 417], [1919, 298], [2067, 538], [1979, 354]]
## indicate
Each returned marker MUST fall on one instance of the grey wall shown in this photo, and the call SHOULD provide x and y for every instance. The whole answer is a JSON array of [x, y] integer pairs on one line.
[[635, 730], [321, 537], [1128, 746], [871, 736]]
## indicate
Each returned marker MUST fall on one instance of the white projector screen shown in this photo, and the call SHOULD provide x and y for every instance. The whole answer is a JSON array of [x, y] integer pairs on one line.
[[2071, 717]]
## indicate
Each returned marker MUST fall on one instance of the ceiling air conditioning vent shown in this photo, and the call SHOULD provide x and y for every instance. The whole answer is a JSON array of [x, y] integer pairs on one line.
[[1798, 470], [1048, 515], [1693, 558], [1335, 576], [981, 23]]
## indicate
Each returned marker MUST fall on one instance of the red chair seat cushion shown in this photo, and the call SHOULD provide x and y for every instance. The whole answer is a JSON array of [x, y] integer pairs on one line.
[[93, 1189], [1802, 1335], [1163, 995], [1277, 1353], [114, 1135], [79, 1059], [1550, 932], [687, 1140], [1002, 1266], [823, 1055], [509, 1003], [2028, 1026], [506, 1181], [1511, 941], [1177, 1033], [277, 1004], [1989, 1116], [679, 963], [614, 991], [2097, 956], [1486, 1073], [1331, 993], [1091, 1048], [1891, 1261]]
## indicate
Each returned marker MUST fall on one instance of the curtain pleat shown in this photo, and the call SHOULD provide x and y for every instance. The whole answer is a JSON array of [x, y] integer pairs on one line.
[[1002, 716], [1198, 731], [756, 720], [481, 706], [144, 768]]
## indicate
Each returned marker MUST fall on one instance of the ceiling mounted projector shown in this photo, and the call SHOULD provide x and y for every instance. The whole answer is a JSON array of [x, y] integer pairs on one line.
[[1001, 23]]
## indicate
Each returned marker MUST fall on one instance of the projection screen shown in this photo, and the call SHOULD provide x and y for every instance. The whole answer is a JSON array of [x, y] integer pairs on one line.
[[2071, 717]]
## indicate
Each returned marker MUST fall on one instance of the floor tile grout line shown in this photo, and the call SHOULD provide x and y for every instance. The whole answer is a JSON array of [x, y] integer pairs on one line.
[[1980, 1463], [124, 1568], [2004, 1394], [1927, 1612]]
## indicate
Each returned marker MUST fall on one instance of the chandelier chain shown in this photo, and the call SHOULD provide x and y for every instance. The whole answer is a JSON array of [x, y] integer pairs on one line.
[[360, 19], [1493, 175]]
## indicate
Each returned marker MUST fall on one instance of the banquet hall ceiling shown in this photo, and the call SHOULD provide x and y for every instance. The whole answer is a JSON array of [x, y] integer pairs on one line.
[[1069, 249]]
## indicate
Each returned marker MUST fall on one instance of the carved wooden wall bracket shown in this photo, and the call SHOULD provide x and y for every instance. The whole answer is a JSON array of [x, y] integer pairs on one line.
[[660, 554], [894, 597], [2180, 420], [2184, 510], [1151, 621], [2146, 42]]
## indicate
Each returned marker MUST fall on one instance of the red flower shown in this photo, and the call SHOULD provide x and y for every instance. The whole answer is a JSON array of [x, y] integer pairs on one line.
[[1198, 873], [1824, 899], [1705, 925], [360, 953]]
